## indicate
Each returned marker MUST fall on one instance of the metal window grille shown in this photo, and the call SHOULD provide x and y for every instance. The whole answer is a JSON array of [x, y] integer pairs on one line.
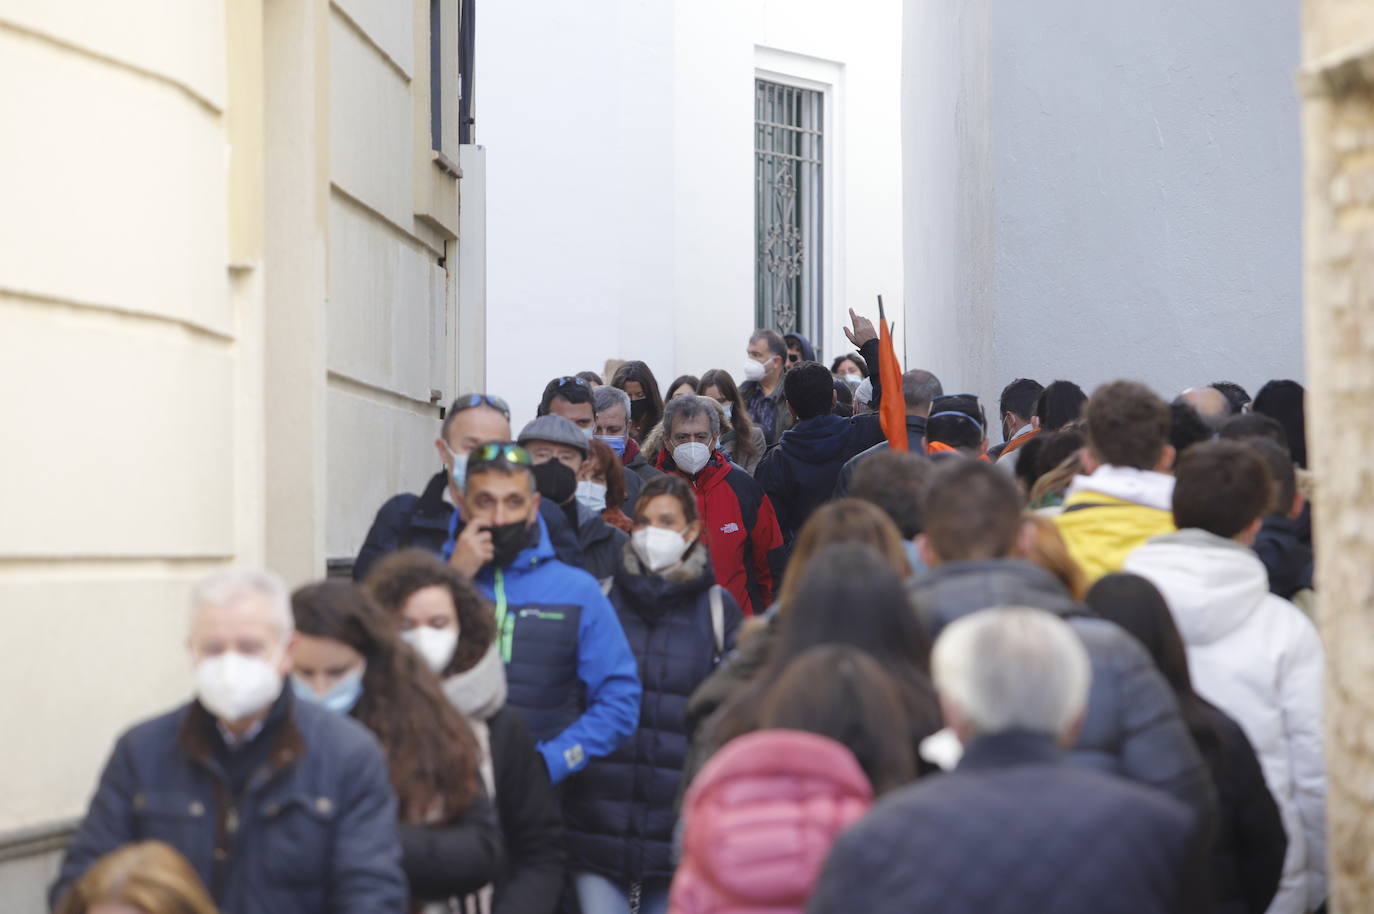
[[788, 207]]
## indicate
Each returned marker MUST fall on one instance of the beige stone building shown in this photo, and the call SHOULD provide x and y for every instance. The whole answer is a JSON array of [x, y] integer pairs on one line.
[[228, 309]]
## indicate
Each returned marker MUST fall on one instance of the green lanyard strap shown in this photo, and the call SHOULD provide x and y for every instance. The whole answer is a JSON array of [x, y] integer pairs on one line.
[[505, 622]]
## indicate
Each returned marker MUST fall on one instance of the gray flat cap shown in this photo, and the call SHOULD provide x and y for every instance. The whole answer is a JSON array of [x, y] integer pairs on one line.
[[554, 429]]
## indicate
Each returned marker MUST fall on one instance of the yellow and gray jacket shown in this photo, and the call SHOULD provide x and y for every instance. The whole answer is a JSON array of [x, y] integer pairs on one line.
[[1111, 513]]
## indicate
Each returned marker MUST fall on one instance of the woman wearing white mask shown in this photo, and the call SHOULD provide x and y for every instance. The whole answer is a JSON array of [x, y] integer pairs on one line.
[[443, 617], [679, 624], [743, 443], [350, 659]]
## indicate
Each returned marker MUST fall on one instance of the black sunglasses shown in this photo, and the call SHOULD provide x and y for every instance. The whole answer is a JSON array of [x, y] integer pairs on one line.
[[573, 379], [472, 401]]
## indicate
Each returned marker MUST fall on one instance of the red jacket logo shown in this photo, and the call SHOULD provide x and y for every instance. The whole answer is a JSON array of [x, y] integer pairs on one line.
[[730, 528]]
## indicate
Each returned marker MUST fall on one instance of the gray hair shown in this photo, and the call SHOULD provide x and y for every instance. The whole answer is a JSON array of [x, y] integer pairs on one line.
[[235, 585], [776, 344], [689, 406], [607, 397], [920, 388], [1013, 668]]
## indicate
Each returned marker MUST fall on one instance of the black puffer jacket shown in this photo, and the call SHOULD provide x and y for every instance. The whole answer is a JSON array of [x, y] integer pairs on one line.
[[1247, 858], [1133, 727], [601, 544], [620, 819]]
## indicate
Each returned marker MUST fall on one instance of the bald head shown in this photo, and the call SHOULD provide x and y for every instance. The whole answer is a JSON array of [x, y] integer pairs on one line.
[[1210, 403]]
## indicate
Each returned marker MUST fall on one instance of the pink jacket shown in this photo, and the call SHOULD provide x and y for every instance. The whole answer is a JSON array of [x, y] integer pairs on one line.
[[760, 819]]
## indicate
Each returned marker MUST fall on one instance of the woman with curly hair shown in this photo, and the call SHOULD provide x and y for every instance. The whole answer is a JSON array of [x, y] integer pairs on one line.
[[350, 659], [448, 623]]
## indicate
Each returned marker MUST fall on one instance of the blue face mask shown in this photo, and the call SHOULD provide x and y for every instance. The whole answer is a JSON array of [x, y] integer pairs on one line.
[[460, 468], [340, 699], [614, 442]]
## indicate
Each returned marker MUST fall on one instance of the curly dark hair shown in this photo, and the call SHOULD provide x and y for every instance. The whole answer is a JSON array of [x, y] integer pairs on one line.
[[432, 755], [396, 576]]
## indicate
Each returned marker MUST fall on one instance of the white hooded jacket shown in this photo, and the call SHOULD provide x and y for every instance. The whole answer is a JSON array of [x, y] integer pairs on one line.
[[1259, 659]]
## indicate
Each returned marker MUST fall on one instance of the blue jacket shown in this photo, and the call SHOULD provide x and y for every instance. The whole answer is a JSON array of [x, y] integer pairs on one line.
[[426, 521], [1016, 828], [312, 830], [799, 474], [620, 824], [570, 672]]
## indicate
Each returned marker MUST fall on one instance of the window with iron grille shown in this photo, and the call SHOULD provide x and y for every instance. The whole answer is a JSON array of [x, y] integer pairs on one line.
[[788, 207]]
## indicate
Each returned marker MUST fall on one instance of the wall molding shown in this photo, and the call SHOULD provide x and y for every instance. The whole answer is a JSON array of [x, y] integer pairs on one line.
[[36, 840]]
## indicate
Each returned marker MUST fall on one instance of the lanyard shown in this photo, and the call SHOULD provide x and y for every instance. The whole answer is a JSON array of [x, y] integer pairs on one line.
[[505, 622]]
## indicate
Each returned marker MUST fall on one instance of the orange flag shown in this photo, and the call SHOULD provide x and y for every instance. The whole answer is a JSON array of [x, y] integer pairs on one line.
[[893, 409]]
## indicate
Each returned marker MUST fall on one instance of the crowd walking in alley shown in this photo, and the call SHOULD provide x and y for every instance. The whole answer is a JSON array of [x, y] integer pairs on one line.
[[807, 642]]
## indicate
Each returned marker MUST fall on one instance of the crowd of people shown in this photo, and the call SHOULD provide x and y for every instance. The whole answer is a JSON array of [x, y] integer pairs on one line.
[[723, 647]]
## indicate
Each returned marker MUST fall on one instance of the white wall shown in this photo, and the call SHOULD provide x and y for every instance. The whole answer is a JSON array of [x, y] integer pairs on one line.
[[1141, 185], [620, 196]]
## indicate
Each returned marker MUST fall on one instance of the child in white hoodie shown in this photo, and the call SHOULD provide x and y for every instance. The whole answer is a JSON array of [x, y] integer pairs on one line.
[[1252, 654]]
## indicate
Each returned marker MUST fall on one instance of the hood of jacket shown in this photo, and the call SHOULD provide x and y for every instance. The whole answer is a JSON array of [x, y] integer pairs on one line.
[[1212, 584], [820, 439], [654, 594], [955, 589], [1140, 487], [763, 812], [807, 350], [479, 692]]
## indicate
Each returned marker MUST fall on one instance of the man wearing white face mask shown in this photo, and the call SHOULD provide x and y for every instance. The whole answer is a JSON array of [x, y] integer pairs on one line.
[[762, 388], [280, 806], [738, 522]]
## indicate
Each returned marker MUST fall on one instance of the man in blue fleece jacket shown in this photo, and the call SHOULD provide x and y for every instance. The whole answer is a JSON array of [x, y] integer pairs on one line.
[[570, 671]]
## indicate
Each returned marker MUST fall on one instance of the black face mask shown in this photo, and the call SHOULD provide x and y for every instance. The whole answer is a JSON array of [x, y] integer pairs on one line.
[[555, 480], [507, 540], [639, 408]]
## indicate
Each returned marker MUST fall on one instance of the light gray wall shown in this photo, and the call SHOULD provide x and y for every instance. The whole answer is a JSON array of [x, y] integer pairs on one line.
[[1143, 193]]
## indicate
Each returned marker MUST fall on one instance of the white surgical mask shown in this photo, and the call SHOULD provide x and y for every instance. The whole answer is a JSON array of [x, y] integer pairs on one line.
[[853, 380], [691, 457], [435, 645], [659, 547], [233, 686], [592, 494], [754, 371], [589, 432]]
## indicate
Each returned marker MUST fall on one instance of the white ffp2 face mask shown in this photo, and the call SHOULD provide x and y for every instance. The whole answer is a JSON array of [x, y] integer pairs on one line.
[[754, 371], [592, 494], [435, 645], [233, 686], [659, 547], [691, 457]]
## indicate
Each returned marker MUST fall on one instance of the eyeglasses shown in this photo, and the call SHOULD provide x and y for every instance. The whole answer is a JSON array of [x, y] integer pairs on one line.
[[472, 401], [499, 452]]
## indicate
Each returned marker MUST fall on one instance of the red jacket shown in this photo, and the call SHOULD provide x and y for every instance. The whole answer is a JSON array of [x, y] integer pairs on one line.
[[740, 529], [760, 820]]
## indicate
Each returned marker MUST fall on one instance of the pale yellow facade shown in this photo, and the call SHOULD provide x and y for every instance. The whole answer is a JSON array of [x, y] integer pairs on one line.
[[228, 313]]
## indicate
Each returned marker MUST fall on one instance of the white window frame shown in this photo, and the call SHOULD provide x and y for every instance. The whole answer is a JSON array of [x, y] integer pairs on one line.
[[803, 71]]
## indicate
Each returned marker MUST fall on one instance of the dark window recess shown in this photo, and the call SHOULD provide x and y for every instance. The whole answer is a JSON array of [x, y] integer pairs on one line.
[[467, 69], [436, 77]]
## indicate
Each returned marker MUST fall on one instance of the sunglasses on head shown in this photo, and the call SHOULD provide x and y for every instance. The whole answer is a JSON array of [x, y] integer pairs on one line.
[[499, 452], [472, 401], [571, 380]]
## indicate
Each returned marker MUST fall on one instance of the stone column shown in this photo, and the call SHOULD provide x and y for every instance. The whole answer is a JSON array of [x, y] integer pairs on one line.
[[1337, 84]]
